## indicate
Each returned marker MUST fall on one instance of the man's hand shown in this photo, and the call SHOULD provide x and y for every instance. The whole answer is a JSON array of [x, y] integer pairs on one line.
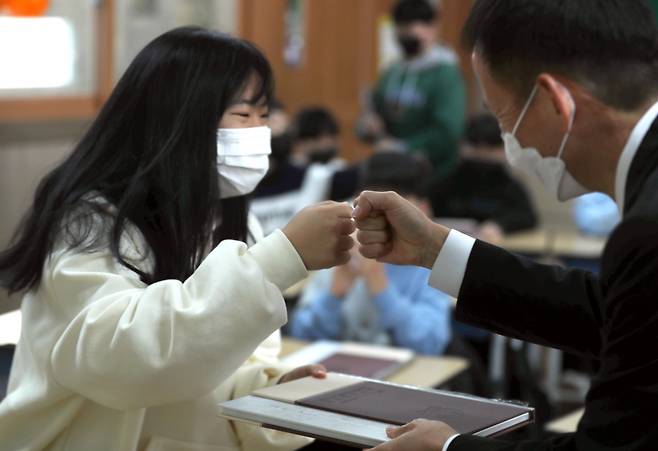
[[317, 371], [321, 234], [392, 230], [419, 435]]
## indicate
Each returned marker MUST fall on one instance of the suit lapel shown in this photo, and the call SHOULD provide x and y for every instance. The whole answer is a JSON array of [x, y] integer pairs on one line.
[[643, 165]]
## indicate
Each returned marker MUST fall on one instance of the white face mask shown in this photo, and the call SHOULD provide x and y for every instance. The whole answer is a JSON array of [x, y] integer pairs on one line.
[[550, 170], [242, 159]]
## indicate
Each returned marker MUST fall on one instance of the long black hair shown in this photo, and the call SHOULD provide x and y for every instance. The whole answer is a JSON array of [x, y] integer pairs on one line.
[[151, 153]]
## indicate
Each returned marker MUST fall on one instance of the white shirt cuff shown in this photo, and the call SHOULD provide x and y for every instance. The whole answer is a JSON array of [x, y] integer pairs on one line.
[[448, 442], [450, 266]]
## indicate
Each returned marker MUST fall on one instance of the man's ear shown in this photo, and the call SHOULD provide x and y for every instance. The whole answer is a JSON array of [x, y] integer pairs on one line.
[[561, 98]]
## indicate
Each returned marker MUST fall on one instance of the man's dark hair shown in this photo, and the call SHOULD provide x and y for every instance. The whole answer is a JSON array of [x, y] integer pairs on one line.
[[409, 11], [483, 130], [315, 122], [394, 171], [609, 46]]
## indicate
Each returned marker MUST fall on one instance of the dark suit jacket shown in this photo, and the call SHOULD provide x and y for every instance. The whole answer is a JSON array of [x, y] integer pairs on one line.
[[612, 319]]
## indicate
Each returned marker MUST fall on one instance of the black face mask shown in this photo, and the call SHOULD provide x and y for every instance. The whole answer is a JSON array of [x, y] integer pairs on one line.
[[410, 45], [281, 145], [323, 155]]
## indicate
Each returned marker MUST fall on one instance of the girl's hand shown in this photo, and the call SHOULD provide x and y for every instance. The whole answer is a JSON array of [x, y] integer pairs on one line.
[[317, 371], [321, 234]]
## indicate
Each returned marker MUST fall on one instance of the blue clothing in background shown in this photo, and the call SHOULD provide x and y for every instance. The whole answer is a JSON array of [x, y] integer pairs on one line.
[[596, 214], [408, 313]]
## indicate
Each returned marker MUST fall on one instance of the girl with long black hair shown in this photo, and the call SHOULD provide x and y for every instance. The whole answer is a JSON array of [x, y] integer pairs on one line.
[[143, 306]]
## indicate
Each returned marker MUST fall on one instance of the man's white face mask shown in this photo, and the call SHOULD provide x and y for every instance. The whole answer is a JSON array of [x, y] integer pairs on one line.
[[242, 159], [550, 170]]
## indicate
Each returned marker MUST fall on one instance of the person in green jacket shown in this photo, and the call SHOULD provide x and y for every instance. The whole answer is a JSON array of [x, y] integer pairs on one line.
[[418, 103]]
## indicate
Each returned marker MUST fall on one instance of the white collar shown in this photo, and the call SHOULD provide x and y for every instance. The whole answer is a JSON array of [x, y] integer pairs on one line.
[[627, 156]]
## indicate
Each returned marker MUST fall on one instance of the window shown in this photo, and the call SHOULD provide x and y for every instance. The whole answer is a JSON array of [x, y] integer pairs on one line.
[[49, 56]]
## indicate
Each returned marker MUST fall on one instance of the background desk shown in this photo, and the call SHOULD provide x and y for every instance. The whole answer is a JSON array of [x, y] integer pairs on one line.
[[567, 423], [559, 243], [422, 371]]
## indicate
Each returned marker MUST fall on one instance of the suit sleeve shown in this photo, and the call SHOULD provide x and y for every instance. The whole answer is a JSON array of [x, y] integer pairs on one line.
[[543, 304], [622, 404], [563, 442]]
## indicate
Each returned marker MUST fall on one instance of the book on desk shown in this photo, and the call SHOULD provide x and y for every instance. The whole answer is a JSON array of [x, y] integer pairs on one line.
[[356, 411], [357, 359]]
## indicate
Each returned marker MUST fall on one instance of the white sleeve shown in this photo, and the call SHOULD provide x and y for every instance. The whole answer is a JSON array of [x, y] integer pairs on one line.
[[126, 345], [450, 266], [448, 442]]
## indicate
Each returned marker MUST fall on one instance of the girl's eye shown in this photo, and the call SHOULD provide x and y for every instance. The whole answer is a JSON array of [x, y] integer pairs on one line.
[[241, 114], [265, 116]]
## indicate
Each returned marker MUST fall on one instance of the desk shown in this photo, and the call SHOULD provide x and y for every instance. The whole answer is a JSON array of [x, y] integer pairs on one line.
[[567, 423], [560, 243], [423, 371]]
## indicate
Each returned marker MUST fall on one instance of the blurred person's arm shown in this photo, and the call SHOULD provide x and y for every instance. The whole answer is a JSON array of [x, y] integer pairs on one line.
[[370, 125], [420, 319], [318, 315]]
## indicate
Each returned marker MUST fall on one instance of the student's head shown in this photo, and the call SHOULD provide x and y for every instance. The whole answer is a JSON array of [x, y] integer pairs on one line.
[[152, 152], [584, 68], [316, 134], [482, 140], [415, 25], [400, 172]]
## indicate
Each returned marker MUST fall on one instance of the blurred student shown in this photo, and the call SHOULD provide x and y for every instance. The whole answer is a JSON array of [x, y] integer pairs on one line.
[[304, 167], [316, 137], [482, 187], [418, 104], [143, 306], [373, 302], [596, 214]]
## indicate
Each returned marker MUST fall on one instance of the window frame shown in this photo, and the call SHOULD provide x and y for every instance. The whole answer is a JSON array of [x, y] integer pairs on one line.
[[37, 108]]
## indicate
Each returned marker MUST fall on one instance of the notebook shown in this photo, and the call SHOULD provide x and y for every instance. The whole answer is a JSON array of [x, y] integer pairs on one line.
[[357, 359], [356, 411]]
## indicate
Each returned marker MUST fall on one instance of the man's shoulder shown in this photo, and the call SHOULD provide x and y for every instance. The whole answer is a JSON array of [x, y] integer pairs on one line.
[[645, 206], [633, 244]]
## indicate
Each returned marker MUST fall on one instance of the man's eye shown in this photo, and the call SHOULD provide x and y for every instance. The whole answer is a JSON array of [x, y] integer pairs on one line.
[[265, 116]]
